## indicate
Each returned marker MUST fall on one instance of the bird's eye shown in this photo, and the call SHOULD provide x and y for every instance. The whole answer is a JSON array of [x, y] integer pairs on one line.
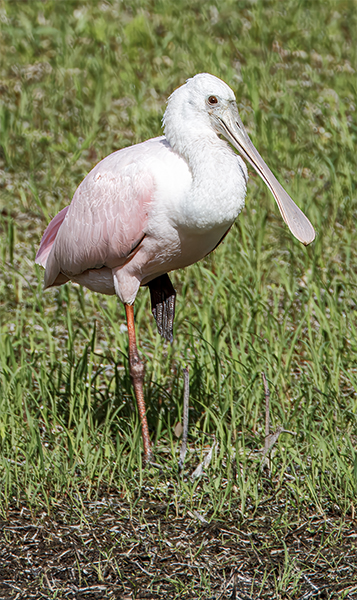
[[212, 100]]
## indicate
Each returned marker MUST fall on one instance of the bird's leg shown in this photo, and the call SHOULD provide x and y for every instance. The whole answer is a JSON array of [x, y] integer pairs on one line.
[[137, 375]]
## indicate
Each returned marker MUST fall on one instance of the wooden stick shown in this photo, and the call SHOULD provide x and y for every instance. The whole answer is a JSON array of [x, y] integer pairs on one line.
[[267, 410], [186, 395]]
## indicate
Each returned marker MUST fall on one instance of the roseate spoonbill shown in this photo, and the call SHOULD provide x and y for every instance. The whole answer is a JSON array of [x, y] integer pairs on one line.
[[161, 205]]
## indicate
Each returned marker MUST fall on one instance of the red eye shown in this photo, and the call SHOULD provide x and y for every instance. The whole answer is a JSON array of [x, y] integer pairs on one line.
[[212, 100]]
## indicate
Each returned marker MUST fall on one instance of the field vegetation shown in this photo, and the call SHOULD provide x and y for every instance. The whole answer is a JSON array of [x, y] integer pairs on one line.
[[81, 515]]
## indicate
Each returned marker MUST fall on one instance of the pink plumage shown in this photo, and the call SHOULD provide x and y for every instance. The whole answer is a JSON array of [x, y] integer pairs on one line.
[[49, 237]]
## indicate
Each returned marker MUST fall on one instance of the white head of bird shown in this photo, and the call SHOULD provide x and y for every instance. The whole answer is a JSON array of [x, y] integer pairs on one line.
[[192, 110], [204, 108]]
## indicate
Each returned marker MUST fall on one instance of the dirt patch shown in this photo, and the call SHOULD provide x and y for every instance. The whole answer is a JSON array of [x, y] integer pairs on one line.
[[107, 549]]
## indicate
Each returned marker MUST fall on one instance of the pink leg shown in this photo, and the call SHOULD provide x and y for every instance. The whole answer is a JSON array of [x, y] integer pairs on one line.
[[137, 376]]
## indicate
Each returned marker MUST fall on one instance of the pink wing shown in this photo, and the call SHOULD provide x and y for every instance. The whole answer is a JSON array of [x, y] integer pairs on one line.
[[107, 217], [49, 237]]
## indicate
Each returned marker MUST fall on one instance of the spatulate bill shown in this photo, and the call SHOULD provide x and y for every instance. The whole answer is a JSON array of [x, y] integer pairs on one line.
[[233, 129]]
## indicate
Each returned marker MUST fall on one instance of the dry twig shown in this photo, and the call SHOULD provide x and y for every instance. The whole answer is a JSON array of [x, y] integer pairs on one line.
[[186, 394], [270, 438], [204, 464]]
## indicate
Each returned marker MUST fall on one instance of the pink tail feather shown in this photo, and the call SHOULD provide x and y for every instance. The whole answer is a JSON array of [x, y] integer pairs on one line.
[[49, 237]]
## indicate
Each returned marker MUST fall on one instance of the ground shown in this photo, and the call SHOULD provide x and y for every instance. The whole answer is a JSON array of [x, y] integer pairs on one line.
[[110, 549]]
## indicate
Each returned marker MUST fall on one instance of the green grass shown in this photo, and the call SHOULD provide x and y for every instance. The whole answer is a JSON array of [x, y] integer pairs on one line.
[[79, 80]]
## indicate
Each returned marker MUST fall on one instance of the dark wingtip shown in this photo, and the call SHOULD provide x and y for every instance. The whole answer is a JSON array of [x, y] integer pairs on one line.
[[163, 298]]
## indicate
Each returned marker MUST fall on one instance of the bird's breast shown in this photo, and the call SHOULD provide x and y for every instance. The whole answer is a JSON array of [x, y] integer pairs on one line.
[[213, 202], [203, 194], [191, 213]]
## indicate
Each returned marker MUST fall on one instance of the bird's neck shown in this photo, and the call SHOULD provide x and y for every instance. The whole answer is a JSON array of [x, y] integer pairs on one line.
[[218, 187]]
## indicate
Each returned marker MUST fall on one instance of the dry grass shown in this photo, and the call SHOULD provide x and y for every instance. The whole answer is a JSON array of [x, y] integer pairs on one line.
[[110, 549]]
